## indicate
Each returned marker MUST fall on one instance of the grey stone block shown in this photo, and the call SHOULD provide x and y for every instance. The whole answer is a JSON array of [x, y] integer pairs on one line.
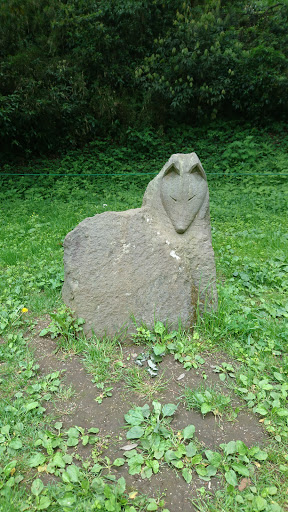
[[152, 263]]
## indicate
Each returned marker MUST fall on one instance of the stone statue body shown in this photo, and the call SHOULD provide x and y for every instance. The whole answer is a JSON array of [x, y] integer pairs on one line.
[[152, 263]]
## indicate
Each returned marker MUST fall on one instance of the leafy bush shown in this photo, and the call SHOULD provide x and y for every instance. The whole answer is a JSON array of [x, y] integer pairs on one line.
[[220, 58], [74, 70]]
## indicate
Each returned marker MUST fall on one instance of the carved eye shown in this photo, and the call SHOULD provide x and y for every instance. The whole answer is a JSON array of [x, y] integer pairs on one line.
[[195, 168], [191, 197], [173, 198], [198, 169], [172, 170]]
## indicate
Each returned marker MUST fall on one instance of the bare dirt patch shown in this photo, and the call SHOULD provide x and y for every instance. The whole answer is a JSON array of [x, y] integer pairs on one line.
[[82, 410]]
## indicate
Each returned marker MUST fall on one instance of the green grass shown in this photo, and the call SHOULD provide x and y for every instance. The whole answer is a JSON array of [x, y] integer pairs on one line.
[[207, 399], [250, 238], [103, 359], [137, 379]]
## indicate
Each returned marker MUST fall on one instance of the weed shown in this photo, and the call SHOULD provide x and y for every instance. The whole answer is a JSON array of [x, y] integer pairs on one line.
[[184, 346], [157, 443], [65, 393], [226, 369], [136, 380], [103, 359], [66, 328], [105, 392], [207, 399]]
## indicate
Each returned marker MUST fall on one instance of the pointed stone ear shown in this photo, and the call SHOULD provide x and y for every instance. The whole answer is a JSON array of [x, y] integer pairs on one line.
[[197, 168], [172, 169]]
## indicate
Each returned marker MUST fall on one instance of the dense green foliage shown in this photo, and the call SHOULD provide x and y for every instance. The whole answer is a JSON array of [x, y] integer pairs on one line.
[[76, 69], [227, 151]]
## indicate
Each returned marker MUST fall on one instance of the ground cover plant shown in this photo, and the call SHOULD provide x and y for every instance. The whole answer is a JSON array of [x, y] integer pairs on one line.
[[234, 362]]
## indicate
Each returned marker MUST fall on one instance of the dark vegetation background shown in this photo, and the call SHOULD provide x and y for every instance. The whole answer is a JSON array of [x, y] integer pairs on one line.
[[76, 71]]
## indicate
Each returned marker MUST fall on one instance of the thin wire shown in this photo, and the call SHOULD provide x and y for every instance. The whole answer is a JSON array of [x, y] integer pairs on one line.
[[80, 175], [224, 174]]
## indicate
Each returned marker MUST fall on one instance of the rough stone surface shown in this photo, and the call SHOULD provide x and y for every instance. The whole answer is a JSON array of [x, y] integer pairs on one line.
[[152, 263]]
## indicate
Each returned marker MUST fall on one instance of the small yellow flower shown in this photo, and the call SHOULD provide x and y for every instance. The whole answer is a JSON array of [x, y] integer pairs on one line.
[[24, 310]]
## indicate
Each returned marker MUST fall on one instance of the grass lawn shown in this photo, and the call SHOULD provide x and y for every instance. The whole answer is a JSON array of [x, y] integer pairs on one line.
[[234, 362]]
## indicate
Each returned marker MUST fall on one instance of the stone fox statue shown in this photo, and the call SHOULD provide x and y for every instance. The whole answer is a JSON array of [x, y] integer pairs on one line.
[[153, 263]]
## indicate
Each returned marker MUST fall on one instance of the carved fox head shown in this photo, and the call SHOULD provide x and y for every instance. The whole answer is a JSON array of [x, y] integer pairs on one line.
[[183, 189]]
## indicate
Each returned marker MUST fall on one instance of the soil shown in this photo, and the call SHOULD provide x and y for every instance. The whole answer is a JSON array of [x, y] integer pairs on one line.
[[82, 410]]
